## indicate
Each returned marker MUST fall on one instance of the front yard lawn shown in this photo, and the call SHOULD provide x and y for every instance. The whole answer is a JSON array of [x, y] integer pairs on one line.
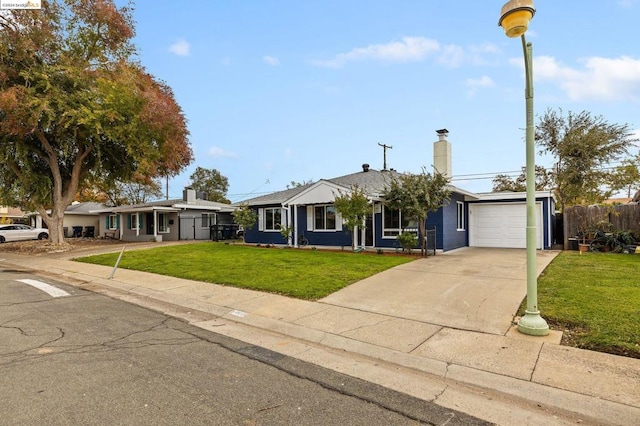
[[594, 298], [305, 274]]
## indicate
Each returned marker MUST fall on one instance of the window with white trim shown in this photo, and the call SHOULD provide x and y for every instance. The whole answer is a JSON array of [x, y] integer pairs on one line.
[[163, 223], [134, 221], [112, 221], [460, 216], [325, 217], [272, 219], [393, 223]]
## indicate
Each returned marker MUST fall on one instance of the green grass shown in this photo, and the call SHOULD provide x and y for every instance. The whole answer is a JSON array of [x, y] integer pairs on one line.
[[304, 274], [595, 299]]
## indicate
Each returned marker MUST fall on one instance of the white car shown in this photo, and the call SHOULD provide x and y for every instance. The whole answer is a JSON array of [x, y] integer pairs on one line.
[[14, 232]]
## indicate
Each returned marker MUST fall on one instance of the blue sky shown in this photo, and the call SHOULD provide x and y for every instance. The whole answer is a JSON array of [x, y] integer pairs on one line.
[[276, 91]]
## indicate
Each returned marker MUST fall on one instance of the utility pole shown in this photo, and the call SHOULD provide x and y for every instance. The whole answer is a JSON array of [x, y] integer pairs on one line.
[[384, 149]]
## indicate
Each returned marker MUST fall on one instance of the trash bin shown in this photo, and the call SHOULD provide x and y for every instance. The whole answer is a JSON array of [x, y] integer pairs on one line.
[[77, 231], [89, 231]]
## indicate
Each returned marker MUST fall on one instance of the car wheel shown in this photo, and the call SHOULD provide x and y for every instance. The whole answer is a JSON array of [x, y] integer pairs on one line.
[[1, 239], [43, 236]]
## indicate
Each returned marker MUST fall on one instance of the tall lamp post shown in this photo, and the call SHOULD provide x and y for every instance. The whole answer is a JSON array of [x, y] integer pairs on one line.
[[514, 19]]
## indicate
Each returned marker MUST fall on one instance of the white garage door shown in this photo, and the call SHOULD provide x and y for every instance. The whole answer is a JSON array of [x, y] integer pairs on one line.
[[501, 225]]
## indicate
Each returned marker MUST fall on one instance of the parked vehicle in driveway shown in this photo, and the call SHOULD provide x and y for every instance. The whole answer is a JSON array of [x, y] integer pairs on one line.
[[22, 232]]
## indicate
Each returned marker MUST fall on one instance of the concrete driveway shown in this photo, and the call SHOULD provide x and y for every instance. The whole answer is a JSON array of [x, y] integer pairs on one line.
[[476, 289]]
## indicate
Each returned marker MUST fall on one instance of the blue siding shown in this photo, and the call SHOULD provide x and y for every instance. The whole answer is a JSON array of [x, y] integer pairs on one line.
[[254, 236], [451, 237], [321, 238]]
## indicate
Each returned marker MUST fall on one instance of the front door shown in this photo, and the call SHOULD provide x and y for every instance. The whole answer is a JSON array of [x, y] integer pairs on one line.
[[368, 232], [150, 224]]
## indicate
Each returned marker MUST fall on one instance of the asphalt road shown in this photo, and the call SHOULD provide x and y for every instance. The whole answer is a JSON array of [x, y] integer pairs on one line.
[[87, 359]]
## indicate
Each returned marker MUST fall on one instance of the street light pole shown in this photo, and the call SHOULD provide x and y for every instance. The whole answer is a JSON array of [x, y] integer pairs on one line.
[[515, 17]]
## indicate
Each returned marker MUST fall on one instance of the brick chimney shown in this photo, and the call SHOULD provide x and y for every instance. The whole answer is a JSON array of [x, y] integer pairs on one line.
[[442, 153]]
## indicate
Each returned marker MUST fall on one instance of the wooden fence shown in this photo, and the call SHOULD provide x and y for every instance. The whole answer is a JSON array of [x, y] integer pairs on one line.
[[625, 217]]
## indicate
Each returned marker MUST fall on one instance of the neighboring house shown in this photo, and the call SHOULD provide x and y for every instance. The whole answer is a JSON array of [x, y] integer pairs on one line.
[[469, 219], [12, 215], [78, 216], [189, 218]]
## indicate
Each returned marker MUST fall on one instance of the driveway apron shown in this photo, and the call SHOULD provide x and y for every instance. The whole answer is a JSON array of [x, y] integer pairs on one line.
[[476, 289]]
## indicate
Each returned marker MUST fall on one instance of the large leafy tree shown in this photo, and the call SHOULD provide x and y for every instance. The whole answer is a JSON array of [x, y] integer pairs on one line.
[[353, 205], [212, 182], [583, 146], [502, 182], [416, 195], [76, 107]]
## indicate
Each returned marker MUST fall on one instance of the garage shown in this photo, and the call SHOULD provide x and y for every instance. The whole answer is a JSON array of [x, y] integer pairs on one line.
[[502, 225]]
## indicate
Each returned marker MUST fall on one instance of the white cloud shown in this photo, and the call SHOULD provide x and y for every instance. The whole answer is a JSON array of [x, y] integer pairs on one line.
[[479, 83], [635, 134], [451, 56], [271, 60], [408, 49], [180, 48], [600, 79], [217, 152]]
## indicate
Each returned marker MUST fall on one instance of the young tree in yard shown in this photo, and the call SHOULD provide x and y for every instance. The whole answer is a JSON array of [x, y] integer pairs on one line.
[[245, 217], [74, 104], [212, 183], [353, 205], [502, 183], [583, 146], [416, 195]]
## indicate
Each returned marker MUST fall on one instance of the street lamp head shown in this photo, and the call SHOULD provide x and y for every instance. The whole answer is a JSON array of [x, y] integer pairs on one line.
[[515, 16]]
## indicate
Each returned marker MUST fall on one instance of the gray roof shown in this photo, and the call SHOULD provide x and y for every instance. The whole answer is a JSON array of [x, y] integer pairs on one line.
[[84, 208], [173, 203], [373, 182]]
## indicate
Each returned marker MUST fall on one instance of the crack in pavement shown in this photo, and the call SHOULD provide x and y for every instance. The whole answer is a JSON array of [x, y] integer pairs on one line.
[[46, 348]]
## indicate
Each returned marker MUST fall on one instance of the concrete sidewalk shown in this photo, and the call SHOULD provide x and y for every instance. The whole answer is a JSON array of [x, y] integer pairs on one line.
[[486, 370]]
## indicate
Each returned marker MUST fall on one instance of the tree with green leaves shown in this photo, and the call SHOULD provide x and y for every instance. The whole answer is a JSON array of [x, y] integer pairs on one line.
[[626, 177], [353, 205], [211, 182], [76, 106], [504, 183], [246, 217], [584, 146], [416, 195]]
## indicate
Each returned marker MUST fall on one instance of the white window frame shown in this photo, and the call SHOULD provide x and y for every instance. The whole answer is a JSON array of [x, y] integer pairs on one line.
[[324, 218], [275, 227], [135, 223], [460, 222], [163, 223], [392, 233], [113, 222]]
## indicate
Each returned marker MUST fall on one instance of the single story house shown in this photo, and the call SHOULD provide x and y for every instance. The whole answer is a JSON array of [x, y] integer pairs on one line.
[[12, 215], [469, 219], [189, 218]]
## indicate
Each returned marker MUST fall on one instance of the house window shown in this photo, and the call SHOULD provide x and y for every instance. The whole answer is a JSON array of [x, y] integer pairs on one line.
[[163, 223], [208, 220], [134, 221], [394, 223], [325, 217], [460, 217], [112, 221], [272, 219]]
